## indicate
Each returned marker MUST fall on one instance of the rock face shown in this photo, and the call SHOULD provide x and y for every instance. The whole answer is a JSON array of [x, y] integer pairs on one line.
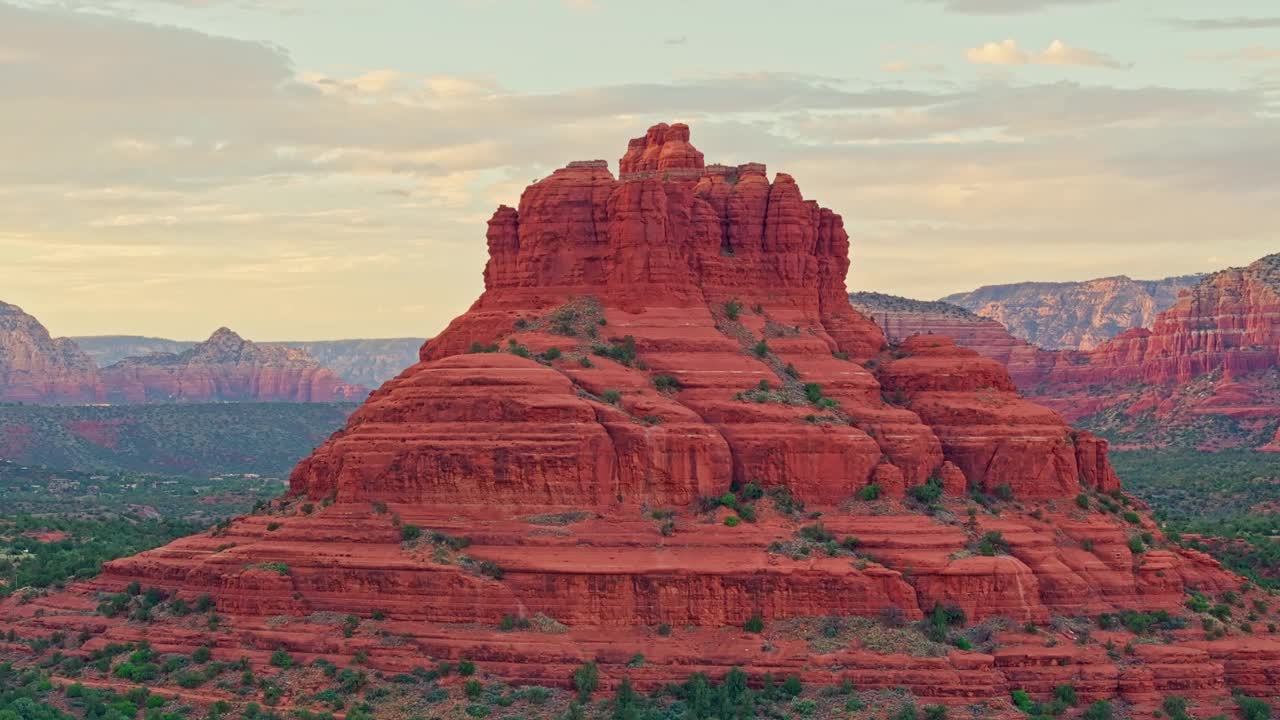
[[36, 368], [649, 353], [1074, 315], [225, 367]]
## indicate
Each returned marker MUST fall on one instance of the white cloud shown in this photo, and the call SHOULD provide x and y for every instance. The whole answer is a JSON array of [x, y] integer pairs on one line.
[[1008, 52]]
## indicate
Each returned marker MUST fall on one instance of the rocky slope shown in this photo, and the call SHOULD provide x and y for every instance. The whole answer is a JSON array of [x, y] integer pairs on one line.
[[226, 367], [36, 368], [623, 450], [360, 361], [1074, 315]]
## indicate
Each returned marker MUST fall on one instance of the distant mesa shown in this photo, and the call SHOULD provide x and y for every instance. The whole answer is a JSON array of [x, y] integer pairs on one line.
[[1075, 315], [36, 368], [358, 361], [226, 367]]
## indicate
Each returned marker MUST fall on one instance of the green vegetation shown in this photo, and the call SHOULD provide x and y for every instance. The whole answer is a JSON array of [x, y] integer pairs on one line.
[[192, 440], [77, 548], [620, 351], [666, 383], [1225, 503]]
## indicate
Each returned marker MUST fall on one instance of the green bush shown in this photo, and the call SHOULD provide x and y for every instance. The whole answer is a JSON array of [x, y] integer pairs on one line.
[[586, 680], [1066, 694], [870, 492], [732, 309], [792, 685], [993, 543], [929, 492], [761, 349], [754, 624], [1100, 710], [1252, 708], [409, 533], [281, 659], [817, 533], [732, 521], [666, 383], [611, 396], [1082, 501]]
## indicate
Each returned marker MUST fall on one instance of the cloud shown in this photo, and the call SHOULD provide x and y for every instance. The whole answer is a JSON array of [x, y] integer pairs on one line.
[[1007, 7], [1058, 53], [676, 40], [1231, 23]]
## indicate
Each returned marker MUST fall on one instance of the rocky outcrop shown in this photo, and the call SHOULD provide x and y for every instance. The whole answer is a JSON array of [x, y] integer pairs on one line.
[[225, 367], [1074, 315], [901, 318], [635, 429], [37, 368]]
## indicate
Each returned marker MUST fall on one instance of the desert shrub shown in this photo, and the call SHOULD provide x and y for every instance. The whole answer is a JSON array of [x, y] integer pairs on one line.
[[1100, 710], [586, 679], [929, 492], [993, 543], [754, 624]]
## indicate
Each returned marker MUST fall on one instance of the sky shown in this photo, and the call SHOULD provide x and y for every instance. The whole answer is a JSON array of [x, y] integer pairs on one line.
[[318, 169]]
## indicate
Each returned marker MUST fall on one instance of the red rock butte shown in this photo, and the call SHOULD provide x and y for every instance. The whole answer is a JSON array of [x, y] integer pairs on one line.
[[644, 344]]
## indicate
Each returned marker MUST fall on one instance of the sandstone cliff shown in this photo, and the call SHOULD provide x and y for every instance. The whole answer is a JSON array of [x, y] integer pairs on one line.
[[36, 368], [226, 367], [627, 443], [1074, 315]]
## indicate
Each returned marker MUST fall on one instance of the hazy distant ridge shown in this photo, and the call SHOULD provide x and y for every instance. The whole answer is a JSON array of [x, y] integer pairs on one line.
[[368, 362]]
